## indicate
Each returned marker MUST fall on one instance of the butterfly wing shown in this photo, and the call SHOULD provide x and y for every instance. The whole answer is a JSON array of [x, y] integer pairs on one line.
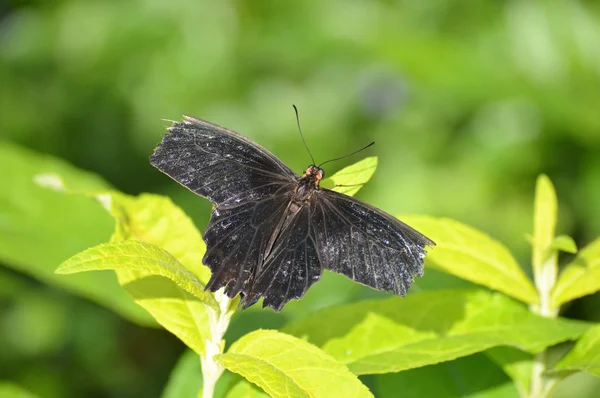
[[344, 235], [262, 244], [293, 264], [219, 164], [249, 186], [366, 244], [236, 242]]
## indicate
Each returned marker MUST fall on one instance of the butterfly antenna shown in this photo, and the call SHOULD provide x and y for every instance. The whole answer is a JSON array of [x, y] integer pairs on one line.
[[302, 135], [345, 156]]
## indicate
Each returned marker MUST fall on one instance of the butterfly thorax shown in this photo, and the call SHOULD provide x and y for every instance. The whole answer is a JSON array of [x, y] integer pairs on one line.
[[308, 183]]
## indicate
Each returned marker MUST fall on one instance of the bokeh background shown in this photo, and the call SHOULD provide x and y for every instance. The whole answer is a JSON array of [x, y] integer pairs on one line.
[[468, 101]]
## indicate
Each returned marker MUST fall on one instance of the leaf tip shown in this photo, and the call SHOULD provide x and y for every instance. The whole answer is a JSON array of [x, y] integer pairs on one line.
[[61, 270], [544, 182]]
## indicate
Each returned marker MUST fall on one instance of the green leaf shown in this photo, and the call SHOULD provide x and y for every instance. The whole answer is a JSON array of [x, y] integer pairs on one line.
[[564, 243], [585, 356], [150, 218], [545, 211], [186, 378], [244, 389], [157, 282], [157, 220], [284, 366], [40, 228], [351, 179], [10, 390], [381, 336], [472, 255], [579, 278], [472, 376]]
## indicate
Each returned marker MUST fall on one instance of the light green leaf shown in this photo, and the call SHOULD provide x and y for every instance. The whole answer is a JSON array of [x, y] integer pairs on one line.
[[579, 278], [544, 223], [150, 218], [380, 336], [585, 356], [351, 179], [40, 228], [472, 255], [157, 282], [185, 379], [156, 219], [244, 389], [10, 390], [564, 243], [284, 366]]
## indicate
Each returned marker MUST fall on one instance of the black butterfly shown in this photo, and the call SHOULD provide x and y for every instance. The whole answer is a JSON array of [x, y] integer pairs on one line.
[[272, 232]]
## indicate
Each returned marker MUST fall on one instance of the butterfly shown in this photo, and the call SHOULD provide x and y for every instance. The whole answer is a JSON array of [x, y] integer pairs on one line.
[[272, 232]]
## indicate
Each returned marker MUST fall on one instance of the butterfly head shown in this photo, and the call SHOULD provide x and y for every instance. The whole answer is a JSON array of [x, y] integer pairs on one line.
[[314, 172], [308, 183]]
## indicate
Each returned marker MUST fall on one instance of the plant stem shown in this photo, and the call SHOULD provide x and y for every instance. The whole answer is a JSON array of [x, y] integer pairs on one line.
[[212, 370], [544, 281]]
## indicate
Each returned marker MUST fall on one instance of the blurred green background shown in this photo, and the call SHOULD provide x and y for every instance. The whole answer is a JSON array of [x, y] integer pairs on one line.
[[468, 101]]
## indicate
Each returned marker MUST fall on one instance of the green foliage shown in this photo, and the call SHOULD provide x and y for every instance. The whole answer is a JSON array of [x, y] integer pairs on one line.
[[285, 366], [395, 334], [156, 253], [40, 228], [472, 255], [585, 356], [580, 277], [467, 104], [157, 282], [155, 219]]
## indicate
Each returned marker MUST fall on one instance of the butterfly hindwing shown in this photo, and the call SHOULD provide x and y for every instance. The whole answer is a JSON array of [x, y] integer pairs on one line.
[[366, 244], [236, 240], [293, 264]]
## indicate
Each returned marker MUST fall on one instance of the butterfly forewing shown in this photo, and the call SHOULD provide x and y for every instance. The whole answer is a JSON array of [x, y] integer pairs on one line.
[[219, 164], [272, 232], [249, 186]]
